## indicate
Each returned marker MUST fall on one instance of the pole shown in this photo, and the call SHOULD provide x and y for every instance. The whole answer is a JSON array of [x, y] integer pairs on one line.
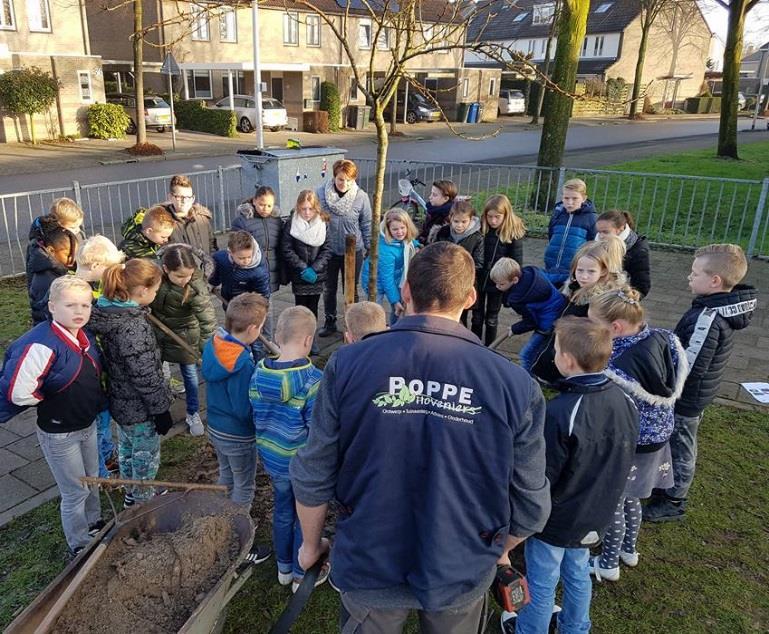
[[349, 270], [759, 96], [405, 102], [173, 115], [257, 76]]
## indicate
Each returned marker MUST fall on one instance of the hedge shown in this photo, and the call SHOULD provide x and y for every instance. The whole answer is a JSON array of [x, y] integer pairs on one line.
[[194, 115], [329, 102], [107, 121]]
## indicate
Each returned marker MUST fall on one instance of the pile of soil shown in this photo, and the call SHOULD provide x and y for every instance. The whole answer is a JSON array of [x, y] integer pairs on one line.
[[152, 583]]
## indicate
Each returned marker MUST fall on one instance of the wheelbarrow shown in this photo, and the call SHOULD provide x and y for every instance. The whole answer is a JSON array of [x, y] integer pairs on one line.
[[162, 514]]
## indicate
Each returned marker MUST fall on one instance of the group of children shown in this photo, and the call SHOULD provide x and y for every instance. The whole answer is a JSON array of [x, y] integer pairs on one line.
[[109, 322]]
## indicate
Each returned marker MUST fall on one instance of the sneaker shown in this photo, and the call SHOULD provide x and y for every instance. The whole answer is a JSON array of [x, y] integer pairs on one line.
[[128, 500], [329, 328], [176, 385], [195, 424], [664, 510], [284, 578], [322, 578], [259, 553], [553, 627], [95, 528], [610, 574], [507, 622], [629, 559], [74, 552]]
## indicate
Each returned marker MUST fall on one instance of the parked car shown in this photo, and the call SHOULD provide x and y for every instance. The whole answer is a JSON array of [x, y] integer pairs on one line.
[[274, 115], [157, 113], [419, 109], [511, 102]]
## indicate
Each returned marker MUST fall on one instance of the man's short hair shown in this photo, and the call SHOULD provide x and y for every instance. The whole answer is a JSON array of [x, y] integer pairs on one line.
[[67, 283], [364, 318], [180, 180], [441, 277], [239, 241], [66, 211], [157, 218], [728, 261], [98, 250], [505, 270], [589, 342], [294, 324], [247, 309]]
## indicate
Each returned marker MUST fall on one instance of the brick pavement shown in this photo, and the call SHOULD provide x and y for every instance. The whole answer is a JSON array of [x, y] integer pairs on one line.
[[26, 482]]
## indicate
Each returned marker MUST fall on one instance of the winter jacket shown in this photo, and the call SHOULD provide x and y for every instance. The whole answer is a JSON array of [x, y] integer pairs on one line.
[[44, 269], [389, 268], [267, 233], [432, 444], [227, 369], [357, 222], [194, 229], [297, 256], [636, 263], [135, 244], [591, 429], [493, 250], [536, 300], [471, 241], [58, 372], [716, 317], [193, 319], [282, 396], [136, 387], [566, 233], [651, 367], [35, 243], [236, 280], [434, 217]]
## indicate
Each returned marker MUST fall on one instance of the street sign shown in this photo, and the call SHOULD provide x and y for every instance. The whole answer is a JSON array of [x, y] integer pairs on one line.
[[170, 67]]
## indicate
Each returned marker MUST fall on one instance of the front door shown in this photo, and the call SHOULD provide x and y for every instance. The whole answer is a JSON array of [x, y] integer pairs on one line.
[[277, 88]]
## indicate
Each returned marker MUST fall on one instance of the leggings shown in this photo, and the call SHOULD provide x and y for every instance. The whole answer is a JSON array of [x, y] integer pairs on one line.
[[623, 532]]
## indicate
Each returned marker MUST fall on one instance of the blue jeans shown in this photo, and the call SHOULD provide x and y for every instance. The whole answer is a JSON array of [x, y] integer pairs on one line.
[[545, 564], [104, 441], [531, 350], [139, 453], [258, 350], [393, 317], [190, 377], [71, 456], [237, 468], [683, 449], [286, 531]]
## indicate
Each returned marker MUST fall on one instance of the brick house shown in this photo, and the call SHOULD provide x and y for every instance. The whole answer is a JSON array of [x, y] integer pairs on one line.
[[52, 35]]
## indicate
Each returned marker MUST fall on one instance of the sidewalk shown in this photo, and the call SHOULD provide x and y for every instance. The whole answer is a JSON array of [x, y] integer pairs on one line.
[[26, 482]]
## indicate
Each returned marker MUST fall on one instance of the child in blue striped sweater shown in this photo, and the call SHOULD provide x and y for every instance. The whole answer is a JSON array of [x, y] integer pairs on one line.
[[282, 395]]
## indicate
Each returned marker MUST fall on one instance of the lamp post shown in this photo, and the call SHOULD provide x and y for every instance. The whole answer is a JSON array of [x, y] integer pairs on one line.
[[257, 76]]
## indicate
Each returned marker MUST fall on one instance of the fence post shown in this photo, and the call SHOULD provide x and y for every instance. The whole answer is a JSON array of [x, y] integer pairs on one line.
[[758, 217], [220, 176], [561, 181], [76, 189]]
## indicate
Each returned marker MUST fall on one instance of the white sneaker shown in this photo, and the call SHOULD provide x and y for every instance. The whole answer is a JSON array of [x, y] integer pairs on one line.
[[284, 578], [176, 385], [629, 559], [507, 622], [610, 574], [195, 424]]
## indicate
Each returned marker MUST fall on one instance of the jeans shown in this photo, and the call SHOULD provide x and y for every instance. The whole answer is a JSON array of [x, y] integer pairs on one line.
[[545, 564], [190, 377], [531, 350], [258, 351], [381, 299], [237, 468], [71, 456], [683, 448], [286, 531], [335, 268], [139, 456], [106, 446]]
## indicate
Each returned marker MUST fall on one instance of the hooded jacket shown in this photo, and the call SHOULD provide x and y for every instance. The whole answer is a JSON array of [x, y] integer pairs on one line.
[[435, 216], [194, 229], [136, 387], [389, 267], [357, 221], [43, 270], [493, 250], [227, 369], [536, 300], [297, 256], [471, 241], [236, 280], [636, 263], [566, 233], [135, 244], [714, 318], [267, 233], [282, 396]]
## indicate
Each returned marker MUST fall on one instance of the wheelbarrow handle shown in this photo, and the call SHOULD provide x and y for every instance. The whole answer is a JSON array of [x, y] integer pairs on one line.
[[499, 340], [298, 600]]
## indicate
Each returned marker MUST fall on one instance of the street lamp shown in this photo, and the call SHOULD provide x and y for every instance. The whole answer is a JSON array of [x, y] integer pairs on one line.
[[257, 76]]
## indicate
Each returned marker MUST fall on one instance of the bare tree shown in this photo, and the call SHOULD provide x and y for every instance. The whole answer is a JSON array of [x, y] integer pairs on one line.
[[650, 10]]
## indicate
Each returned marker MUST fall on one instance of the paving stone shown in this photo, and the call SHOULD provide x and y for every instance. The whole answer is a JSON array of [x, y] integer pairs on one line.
[[25, 424], [7, 437], [28, 448], [36, 474], [10, 461], [13, 491]]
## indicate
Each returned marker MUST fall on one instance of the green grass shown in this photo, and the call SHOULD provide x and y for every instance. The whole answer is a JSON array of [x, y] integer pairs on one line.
[[14, 310], [706, 574]]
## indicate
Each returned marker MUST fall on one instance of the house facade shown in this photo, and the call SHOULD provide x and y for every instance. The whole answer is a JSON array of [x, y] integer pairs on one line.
[[52, 35]]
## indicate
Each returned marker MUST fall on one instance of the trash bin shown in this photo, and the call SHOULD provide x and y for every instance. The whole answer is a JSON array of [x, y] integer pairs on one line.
[[315, 121], [472, 115], [480, 112], [287, 171], [358, 116], [462, 111]]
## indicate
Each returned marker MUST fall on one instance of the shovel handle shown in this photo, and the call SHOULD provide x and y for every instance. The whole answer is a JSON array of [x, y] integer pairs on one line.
[[185, 486], [499, 341]]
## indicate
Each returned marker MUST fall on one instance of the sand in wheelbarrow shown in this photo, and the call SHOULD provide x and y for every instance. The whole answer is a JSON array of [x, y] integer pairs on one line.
[[152, 583]]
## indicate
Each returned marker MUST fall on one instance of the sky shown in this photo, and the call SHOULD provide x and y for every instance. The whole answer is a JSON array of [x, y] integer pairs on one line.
[[756, 25]]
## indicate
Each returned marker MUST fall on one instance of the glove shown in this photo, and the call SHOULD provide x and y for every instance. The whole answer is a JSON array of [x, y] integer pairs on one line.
[[309, 275], [163, 422]]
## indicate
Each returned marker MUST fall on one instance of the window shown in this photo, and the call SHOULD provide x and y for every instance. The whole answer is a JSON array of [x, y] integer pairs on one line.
[[313, 30], [603, 8], [465, 88], [7, 20], [383, 39], [492, 87], [353, 89], [598, 46], [543, 13], [532, 46], [228, 25], [84, 82], [315, 87], [364, 34], [238, 83], [427, 32], [542, 46], [291, 29], [520, 17], [200, 23], [584, 48], [39, 15], [200, 83]]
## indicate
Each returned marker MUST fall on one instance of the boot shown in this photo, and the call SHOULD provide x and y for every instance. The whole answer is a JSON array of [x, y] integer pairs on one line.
[[329, 327], [491, 334], [477, 329]]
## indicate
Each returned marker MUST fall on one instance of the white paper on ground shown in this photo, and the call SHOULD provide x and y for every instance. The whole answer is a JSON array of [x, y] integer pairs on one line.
[[759, 391]]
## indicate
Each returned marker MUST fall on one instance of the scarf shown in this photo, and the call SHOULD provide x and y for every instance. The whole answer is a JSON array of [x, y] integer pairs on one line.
[[409, 251], [310, 233], [340, 205]]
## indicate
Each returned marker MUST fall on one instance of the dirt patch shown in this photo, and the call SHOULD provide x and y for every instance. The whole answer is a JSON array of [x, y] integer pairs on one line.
[[152, 583]]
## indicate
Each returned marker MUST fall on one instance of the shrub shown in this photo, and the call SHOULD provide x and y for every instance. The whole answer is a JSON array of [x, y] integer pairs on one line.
[[329, 101], [28, 91], [107, 121], [194, 115]]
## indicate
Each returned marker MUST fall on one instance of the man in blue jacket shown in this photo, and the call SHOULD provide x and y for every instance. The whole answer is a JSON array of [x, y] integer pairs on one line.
[[433, 447]]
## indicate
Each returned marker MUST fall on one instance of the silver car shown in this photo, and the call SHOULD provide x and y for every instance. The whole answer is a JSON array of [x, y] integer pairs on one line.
[[274, 115], [511, 102], [157, 113]]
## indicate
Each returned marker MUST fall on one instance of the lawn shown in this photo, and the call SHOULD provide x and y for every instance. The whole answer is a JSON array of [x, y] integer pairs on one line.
[[709, 573], [14, 310]]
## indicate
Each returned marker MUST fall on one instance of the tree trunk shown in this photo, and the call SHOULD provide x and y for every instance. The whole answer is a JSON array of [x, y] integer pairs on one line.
[[394, 119], [727, 129], [32, 129], [639, 68], [376, 207], [545, 70], [141, 129]]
